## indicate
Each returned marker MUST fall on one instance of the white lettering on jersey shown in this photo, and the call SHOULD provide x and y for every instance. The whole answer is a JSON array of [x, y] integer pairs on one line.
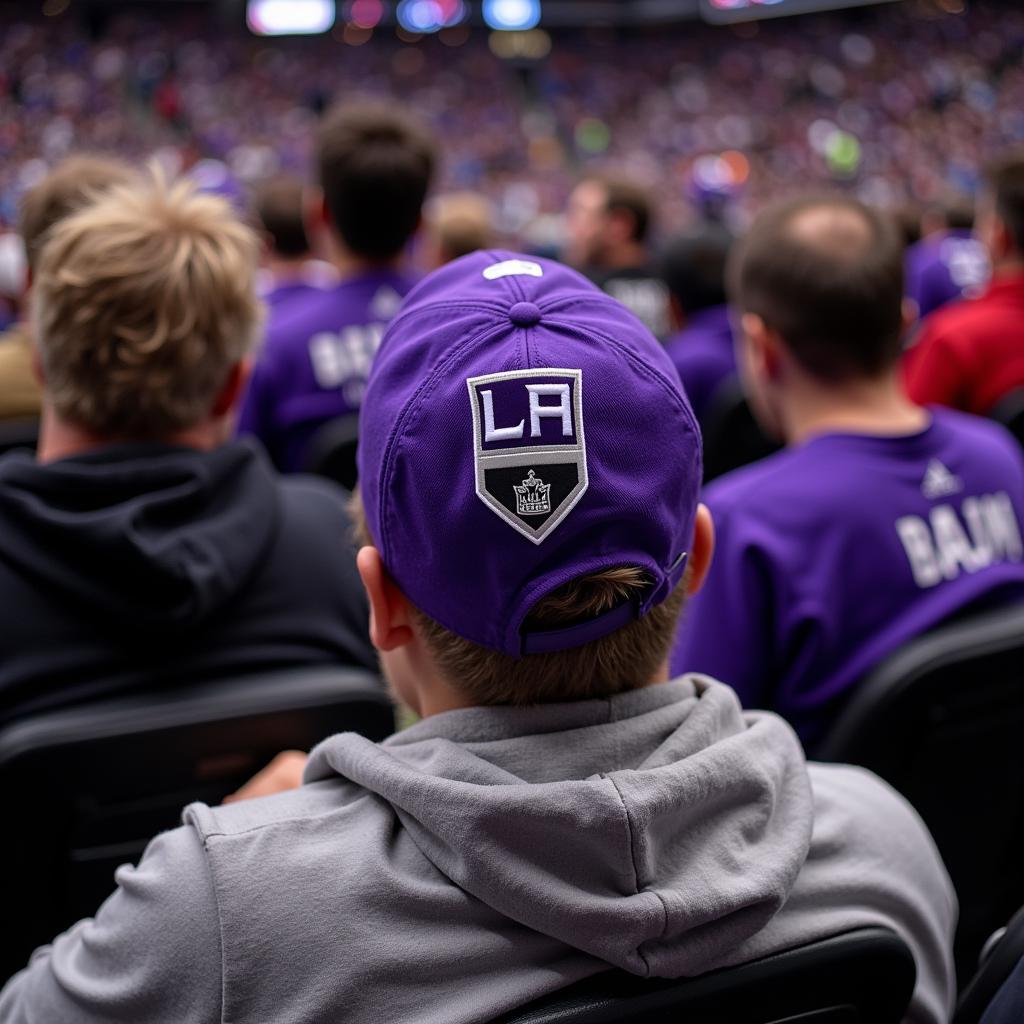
[[343, 360], [941, 548]]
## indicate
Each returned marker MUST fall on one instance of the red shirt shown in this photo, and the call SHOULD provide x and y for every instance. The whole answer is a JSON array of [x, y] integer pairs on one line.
[[970, 354]]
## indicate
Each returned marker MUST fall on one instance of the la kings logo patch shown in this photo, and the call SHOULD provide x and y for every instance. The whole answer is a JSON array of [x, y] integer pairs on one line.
[[529, 449]]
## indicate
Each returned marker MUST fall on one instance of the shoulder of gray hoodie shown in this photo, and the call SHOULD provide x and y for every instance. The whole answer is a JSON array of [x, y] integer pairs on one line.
[[488, 856]]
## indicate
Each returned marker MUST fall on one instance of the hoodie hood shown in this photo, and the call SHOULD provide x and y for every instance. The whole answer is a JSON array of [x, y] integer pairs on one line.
[[664, 864], [151, 536]]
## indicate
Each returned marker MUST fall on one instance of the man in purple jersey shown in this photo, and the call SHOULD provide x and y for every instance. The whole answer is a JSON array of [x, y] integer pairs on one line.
[[375, 166], [290, 270], [693, 266], [881, 519], [948, 263]]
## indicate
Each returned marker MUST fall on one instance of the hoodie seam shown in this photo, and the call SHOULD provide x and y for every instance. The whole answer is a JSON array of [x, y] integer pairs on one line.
[[636, 874]]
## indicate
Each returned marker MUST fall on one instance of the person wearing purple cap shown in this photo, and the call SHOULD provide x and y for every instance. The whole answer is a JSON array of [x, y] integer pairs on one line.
[[529, 469], [881, 519], [375, 166]]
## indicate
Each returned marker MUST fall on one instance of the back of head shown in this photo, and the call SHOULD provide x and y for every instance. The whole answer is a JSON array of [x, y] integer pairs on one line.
[[144, 301], [375, 167], [462, 223], [278, 207], [826, 274], [562, 544], [72, 184], [1004, 180], [693, 265], [628, 198]]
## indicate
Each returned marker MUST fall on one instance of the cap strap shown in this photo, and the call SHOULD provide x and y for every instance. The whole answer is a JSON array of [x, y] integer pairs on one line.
[[549, 640]]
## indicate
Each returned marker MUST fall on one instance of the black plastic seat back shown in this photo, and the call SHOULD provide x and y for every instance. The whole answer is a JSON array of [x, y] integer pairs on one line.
[[85, 788], [996, 968], [865, 976], [332, 451], [732, 437], [1009, 411], [942, 720], [18, 433]]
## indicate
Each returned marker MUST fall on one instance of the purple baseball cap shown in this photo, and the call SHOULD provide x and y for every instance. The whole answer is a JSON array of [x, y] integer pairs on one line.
[[521, 429]]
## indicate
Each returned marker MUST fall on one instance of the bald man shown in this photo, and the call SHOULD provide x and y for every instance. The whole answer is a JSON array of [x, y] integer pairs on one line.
[[880, 519]]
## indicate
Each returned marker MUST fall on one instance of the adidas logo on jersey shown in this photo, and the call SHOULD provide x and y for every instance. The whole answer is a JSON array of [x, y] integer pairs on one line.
[[939, 482]]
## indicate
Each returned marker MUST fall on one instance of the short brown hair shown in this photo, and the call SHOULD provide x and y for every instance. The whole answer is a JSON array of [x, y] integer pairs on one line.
[[278, 206], [626, 659], [826, 273], [1005, 177], [144, 301], [627, 196], [375, 166], [72, 184]]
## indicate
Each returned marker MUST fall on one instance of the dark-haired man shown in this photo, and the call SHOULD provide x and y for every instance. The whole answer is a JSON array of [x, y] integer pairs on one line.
[[693, 266], [290, 270], [607, 223], [881, 519], [375, 166], [971, 354]]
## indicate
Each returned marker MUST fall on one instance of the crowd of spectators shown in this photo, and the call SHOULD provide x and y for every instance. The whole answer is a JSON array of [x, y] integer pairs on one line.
[[902, 103]]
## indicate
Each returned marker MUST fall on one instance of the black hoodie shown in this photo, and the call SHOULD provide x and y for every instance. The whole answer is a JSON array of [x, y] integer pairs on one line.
[[144, 564]]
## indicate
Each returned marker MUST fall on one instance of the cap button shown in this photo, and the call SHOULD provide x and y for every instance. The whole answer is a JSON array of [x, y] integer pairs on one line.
[[524, 314]]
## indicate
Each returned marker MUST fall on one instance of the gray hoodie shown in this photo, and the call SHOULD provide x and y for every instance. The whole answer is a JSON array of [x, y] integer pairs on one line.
[[488, 856]]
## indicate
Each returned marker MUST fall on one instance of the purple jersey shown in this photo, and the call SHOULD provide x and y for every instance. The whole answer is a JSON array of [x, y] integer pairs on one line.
[[833, 554], [314, 365], [944, 267], [704, 355]]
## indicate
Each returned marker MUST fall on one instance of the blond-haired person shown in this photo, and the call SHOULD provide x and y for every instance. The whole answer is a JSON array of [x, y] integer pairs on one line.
[[72, 184], [529, 469], [143, 544]]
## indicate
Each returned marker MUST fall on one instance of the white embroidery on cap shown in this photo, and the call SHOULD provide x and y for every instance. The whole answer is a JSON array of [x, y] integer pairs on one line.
[[513, 268]]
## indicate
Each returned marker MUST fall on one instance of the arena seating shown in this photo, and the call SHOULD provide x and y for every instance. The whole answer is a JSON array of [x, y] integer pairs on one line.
[[941, 720], [82, 811], [997, 963], [821, 983]]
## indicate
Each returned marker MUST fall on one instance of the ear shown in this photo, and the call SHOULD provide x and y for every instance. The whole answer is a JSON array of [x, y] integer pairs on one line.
[[231, 392], [37, 368], [676, 313], [703, 549], [765, 346], [390, 626], [314, 212]]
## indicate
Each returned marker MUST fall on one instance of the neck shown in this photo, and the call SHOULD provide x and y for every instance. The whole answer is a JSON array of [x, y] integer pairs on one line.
[[59, 439], [285, 271], [855, 407], [350, 264]]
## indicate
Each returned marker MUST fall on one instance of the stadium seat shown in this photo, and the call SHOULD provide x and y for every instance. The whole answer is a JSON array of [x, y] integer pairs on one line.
[[1009, 411], [89, 786], [994, 969], [732, 437], [865, 976], [18, 433], [942, 720], [332, 451]]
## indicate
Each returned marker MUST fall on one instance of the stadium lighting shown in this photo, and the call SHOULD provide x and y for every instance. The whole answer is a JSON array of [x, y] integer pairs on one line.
[[422, 16], [512, 15], [290, 17]]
